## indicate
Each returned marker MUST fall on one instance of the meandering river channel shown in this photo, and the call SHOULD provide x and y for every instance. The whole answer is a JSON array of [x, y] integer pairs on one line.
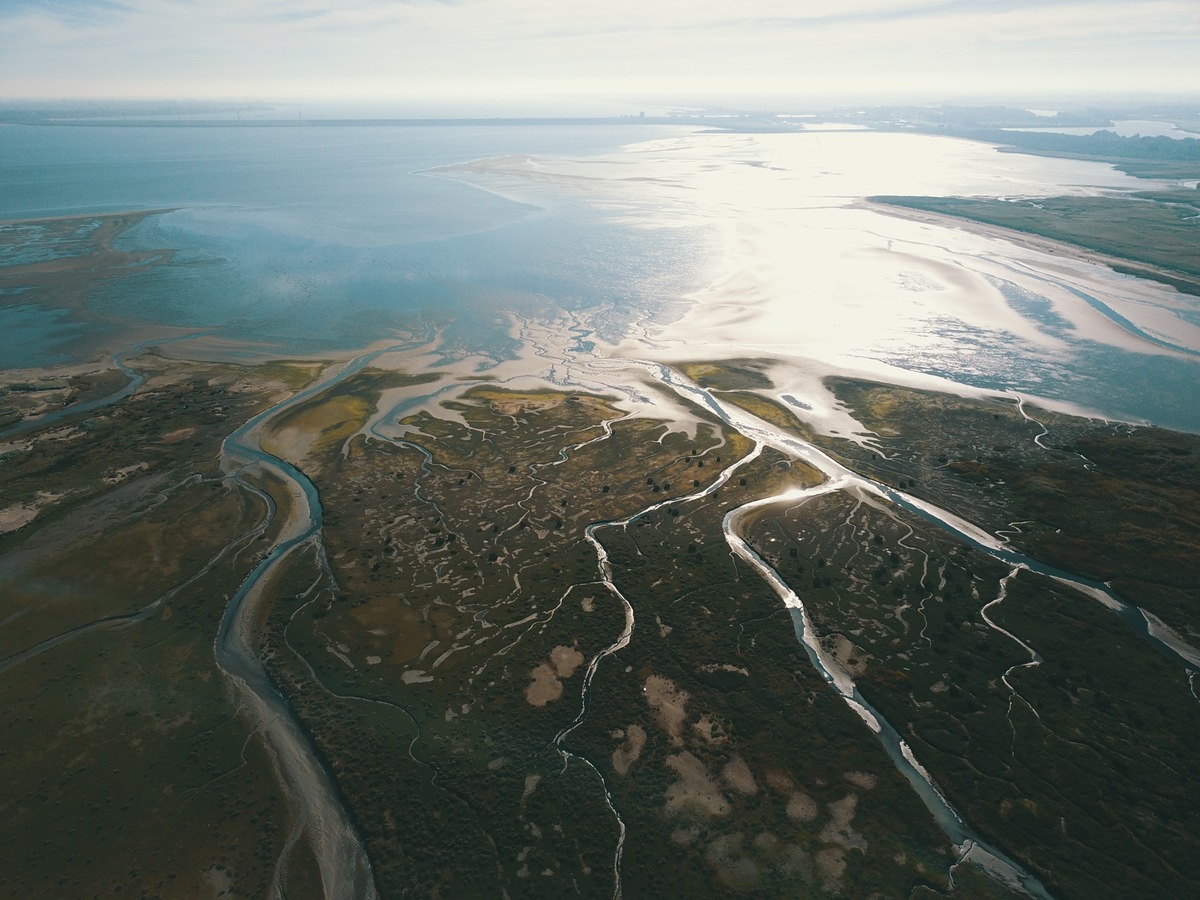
[[345, 869]]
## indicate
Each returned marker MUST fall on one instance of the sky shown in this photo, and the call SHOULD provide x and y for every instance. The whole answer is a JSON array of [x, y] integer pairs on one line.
[[636, 51]]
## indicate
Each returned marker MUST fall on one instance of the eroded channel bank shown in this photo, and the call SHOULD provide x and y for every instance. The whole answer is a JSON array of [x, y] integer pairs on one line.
[[317, 807]]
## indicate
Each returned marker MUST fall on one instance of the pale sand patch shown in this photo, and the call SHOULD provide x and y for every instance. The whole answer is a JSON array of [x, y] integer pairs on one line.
[[415, 676], [864, 780], [588, 604], [374, 660], [627, 754], [14, 517], [710, 730], [544, 686], [119, 475], [291, 443], [852, 658], [738, 776], [61, 434], [831, 863], [838, 830], [21, 514], [179, 434], [780, 780], [545, 680], [733, 870], [802, 807], [695, 791], [565, 661], [669, 704], [219, 881], [15, 446]]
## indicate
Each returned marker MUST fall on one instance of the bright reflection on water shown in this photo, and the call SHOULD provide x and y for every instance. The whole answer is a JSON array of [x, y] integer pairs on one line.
[[686, 245], [801, 268]]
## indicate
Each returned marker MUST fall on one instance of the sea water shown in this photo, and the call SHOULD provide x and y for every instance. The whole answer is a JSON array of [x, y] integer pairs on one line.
[[316, 239], [303, 240]]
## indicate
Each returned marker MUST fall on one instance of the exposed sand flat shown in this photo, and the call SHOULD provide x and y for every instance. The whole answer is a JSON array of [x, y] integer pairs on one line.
[[565, 661], [831, 863], [21, 514], [546, 679], [1148, 304], [544, 686], [864, 780], [627, 754], [839, 830], [669, 704], [848, 655], [802, 807], [738, 776], [15, 517], [696, 790], [798, 269]]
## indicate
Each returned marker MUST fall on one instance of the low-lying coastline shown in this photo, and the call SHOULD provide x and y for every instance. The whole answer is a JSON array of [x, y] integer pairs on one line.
[[452, 570], [1159, 247]]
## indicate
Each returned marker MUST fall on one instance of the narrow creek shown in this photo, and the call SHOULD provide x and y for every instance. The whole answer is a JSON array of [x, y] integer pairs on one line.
[[345, 868], [606, 578], [313, 796], [135, 380], [839, 478]]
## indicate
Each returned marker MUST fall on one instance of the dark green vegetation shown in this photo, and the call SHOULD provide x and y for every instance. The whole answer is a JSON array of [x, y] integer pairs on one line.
[[1084, 767], [1140, 156], [436, 645], [1150, 234], [119, 736], [1114, 503], [1069, 742], [1143, 156], [468, 604], [1158, 230]]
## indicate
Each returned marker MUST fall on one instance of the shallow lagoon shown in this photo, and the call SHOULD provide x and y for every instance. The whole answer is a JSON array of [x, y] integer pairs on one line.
[[648, 241]]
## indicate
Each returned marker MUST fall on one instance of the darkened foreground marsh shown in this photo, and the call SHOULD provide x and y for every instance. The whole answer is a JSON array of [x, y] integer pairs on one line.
[[452, 645]]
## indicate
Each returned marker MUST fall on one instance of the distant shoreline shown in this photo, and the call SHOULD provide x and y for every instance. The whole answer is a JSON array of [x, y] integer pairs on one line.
[[79, 217], [1180, 281], [686, 121]]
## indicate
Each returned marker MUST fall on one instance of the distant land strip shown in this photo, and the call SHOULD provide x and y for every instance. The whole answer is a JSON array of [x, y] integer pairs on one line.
[[724, 123], [1143, 156], [1150, 235]]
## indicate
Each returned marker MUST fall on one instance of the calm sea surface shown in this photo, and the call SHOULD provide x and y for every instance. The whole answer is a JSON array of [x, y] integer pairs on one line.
[[304, 240], [322, 238]]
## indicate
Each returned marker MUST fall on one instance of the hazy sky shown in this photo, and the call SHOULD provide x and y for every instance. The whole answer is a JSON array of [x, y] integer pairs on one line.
[[635, 50]]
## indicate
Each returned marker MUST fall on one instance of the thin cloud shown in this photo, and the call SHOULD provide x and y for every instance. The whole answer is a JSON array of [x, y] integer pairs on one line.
[[482, 47]]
